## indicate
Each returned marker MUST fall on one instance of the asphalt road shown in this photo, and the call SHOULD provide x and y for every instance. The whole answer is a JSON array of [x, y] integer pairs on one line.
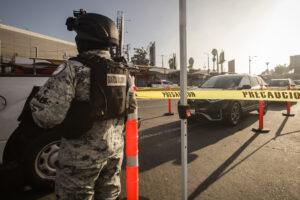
[[223, 162]]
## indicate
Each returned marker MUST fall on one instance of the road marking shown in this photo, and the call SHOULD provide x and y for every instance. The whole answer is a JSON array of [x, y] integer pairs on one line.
[[163, 132], [159, 133]]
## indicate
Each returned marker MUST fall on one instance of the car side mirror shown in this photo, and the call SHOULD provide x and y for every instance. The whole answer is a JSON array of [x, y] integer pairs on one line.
[[245, 87]]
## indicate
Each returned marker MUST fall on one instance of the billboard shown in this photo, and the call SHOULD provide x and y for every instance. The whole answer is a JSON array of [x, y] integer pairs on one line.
[[222, 58], [231, 66], [295, 63]]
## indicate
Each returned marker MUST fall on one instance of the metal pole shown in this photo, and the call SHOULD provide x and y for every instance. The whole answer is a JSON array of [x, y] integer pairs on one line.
[[122, 34], [2, 68], [183, 89], [208, 62], [249, 65], [36, 55], [218, 70], [127, 52]]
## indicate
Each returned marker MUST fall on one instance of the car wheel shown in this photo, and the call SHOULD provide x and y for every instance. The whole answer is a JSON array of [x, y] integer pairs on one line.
[[191, 119], [41, 160], [234, 114]]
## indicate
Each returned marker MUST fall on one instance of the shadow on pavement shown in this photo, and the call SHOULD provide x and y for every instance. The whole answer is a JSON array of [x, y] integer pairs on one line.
[[162, 148], [216, 174], [278, 132], [279, 106], [219, 172], [146, 119], [140, 198], [17, 192], [190, 158]]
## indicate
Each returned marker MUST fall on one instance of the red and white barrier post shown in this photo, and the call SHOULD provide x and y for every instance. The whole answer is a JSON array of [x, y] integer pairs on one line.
[[288, 107], [132, 161], [170, 105], [261, 128]]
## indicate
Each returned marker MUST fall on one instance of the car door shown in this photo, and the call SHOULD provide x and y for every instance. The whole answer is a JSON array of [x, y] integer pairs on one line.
[[255, 85], [245, 104]]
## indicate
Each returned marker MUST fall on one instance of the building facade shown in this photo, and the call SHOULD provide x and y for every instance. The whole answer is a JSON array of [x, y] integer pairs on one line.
[[15, 42]]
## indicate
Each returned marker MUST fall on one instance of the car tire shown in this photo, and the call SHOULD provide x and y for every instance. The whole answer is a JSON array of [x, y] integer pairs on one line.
[[41, 159], [139, 122], [191, 119], [233, 113]]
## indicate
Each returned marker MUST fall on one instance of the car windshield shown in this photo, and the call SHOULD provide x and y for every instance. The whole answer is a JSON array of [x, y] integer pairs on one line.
[[279, 83], [223, 82]]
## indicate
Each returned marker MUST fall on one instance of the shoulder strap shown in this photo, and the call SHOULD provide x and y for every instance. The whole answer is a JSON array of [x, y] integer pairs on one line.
[[88, 61]]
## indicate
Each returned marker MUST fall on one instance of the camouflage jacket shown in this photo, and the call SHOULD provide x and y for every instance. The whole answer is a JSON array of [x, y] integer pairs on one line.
[[71, 80]]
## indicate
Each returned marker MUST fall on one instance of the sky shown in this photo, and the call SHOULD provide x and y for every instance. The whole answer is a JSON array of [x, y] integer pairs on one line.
[[262, 30]]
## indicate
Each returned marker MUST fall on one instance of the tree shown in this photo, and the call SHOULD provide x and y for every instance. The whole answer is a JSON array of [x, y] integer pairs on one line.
[[191, 63], [140, 57], [280, 69], [266, 72]]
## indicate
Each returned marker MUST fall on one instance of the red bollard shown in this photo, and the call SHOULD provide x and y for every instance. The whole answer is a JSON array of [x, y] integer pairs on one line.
[[260, 128], [132, 168], [170, 105], [132, 161], [288, 109]]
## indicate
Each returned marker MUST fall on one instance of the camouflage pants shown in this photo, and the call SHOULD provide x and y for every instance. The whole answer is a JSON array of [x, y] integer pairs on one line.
[[89, 167]]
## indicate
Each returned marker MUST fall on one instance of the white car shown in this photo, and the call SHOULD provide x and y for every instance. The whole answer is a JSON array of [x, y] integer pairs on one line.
[[24, 145], [163, 83]]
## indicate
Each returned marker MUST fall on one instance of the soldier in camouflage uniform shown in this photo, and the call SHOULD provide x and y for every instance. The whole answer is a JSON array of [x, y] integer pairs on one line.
[[90, 165]]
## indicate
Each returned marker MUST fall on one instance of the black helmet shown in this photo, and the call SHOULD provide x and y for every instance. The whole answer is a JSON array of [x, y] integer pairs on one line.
[[94, 28]]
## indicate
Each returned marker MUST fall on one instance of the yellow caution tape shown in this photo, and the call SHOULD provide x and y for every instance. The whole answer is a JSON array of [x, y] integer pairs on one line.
[[265, 95], [155, 89], [173, 88]]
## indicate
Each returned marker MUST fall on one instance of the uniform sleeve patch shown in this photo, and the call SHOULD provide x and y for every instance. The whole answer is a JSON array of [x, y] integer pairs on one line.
[[116, 80], [59, 69]]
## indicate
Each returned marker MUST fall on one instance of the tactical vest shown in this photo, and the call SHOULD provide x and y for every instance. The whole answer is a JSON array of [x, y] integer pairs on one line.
[[108, 96]]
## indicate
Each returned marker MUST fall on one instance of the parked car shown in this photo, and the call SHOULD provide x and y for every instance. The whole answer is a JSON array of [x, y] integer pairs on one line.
[[23, 145], [163, 83], [297, 82], [281, 83], [229, 111]]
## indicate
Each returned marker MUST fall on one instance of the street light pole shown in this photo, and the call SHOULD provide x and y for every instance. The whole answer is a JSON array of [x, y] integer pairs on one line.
[[34, 60], [214, 52], [267, 63], [250, 64], [207, 62]]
